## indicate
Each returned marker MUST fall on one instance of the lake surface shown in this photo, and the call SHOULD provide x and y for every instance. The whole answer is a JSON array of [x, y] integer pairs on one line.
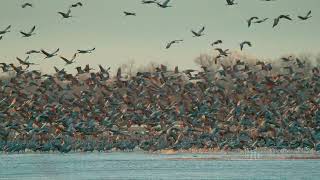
[[139, 165]]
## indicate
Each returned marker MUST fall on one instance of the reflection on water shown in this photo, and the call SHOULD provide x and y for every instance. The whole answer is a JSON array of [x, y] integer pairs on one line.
[[138, 165]]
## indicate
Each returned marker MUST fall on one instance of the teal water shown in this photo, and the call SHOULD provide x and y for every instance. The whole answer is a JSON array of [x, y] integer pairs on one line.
[[153, 166]]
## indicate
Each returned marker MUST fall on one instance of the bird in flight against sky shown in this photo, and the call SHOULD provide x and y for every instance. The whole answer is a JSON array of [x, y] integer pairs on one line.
[[199, 33], [305, 17], [26, 5], [164, 4], [30, 33], [173, 42], [49, 55]]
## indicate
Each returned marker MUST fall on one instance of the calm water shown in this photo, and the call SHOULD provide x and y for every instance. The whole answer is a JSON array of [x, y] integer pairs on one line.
[[153, 166]]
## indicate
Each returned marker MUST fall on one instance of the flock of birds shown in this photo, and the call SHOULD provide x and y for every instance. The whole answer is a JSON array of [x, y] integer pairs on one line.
[[237, 106]]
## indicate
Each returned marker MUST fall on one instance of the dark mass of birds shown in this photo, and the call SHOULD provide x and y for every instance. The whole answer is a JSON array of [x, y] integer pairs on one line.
[[235, 106]]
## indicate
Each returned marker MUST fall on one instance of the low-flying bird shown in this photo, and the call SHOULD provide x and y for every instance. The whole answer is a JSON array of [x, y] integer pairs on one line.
[[260, 21], [149, 1], [65, 15], [72, 60], [126, 13], [222, 52], [25, 62], [277, 20], [49, 55], [305, 17], [30, 33], [249, 21], [199, 33], [164, 4], [216, 42], [245, 43], [76, 5], [26, 5], [85, 51], [173, 42], [231, 2], [33, 52], [103, 70], [6, 30], [287, 59]]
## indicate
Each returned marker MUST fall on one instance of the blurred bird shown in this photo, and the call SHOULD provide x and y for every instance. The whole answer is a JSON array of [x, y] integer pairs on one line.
[[26, 5], [33, 52], [85, 51], [277, 20], [49, 55], [173, 42], [129, 13], [76, 5], [261, 21], [149, 2], [231, 2], [245, 43], [199, 33], [6, 30], [249, 21], [65, 15], [30, 33], [69, 61], [305, 17], [216, 42], [164, 4]]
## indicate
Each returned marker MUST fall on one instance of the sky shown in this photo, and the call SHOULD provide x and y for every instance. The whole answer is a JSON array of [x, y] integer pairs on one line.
[[142, 39]]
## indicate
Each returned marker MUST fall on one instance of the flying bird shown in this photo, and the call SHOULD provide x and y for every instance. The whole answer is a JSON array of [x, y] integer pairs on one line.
[[249, 21], [173, 42], [222, 52], [49, 55], [30, 33], [33, 52], [149, 2], [305, 17], [245, 43], [26, 5], [231, 2], [25, 62], [65, 15], [85, 51], [76, 5], [277, 20], [69, 61], [126, 13], [199, 33], [164, 4], [216, 42], [6, 30]]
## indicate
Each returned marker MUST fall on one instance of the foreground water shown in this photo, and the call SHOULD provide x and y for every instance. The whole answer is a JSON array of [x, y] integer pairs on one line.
[[138, 165]]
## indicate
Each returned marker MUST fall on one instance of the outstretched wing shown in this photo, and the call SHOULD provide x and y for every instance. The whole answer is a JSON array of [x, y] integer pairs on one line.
[[201, 30], [32, 30]]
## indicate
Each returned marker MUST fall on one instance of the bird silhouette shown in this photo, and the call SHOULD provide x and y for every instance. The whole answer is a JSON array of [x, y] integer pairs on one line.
[[222, 52], [199, 33], [49, 55], [260, 21], [164, 4], [76, 5], [305, 17], [69, 61], [6, 30], [85, 51], [149, 2], [25, 62], [173, 42], [245, 43], [216, 42], [277, 20], [33, 52], [30, 33], [65, 15], [231, 2], [26, 5], [126, 13]]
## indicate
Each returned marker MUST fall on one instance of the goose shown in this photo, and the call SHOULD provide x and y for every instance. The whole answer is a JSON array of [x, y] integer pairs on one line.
[[305, 17], [222, 52], [149, 2], [277, 20], [164, 4], [26, 5], [173, 42], [76, 5], [231, 2], [72, 60], [33, 52], [30, 33], [216, 42], [126, 13], [65, 15], [245, 43], [25, 62], [249, 21], [199, 33], [85, 51], [49, 55], [6, 30]]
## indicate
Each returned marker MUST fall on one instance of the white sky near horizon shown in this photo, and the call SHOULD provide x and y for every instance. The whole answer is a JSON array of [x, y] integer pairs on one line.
[[119, 39]]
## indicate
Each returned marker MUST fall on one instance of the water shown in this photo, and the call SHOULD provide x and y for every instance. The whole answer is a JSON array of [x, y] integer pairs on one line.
[[138, 165]]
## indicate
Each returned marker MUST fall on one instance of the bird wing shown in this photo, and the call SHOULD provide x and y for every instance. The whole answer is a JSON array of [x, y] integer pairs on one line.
[[20, 60], [8, 28], [201, 30], [45, 52], [65, 59], [33, 28], [166, 3], [25, 34], [74, 56], [309, 13], [56, 51], [194, 33], [275, 22], [169, 44]]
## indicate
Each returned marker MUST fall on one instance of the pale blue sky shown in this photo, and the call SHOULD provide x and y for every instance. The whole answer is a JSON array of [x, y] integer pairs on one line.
[[118, 39]]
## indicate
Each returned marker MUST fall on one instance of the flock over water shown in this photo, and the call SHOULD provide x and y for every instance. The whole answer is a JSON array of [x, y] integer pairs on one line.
[[229, 104]]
